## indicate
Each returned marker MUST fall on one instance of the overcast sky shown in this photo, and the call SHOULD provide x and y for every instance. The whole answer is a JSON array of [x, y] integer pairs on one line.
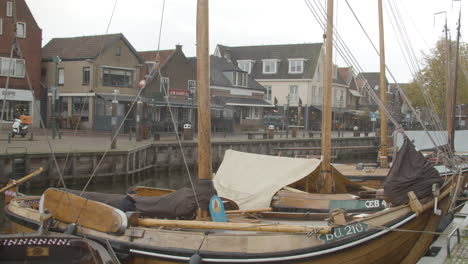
[[251, 22]]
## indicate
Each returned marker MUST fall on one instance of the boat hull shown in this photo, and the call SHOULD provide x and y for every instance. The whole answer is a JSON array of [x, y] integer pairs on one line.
[[377, 245]]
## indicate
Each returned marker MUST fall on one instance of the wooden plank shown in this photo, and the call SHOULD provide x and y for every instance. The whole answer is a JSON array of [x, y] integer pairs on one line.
[[70, 208], [192, 224]]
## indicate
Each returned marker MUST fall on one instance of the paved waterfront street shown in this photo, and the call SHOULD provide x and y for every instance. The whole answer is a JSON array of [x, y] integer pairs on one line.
[[100, 141]]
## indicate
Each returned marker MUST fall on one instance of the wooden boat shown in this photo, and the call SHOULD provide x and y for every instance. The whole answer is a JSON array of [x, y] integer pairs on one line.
[[399, 232], [358, 238]]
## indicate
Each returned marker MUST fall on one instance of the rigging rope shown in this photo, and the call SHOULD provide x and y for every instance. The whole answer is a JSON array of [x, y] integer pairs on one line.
[[398, 86], [174, 124]]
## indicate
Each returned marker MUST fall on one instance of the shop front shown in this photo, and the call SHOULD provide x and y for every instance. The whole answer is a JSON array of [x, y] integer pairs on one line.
[[16, 102]]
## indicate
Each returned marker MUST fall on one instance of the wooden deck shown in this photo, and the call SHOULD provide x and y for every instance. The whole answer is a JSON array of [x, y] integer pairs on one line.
[[369, 177]]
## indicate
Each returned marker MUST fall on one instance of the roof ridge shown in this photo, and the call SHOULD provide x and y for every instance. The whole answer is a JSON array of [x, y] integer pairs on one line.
[[273, 45], [156, 50], [89, 36]]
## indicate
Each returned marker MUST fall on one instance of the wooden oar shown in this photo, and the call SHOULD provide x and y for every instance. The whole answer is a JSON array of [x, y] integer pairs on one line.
[[25, 178], [147, 222]]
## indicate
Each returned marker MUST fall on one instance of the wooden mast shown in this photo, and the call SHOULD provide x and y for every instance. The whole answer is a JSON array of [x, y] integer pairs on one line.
[[453, 103], [203, 98], [449, 92], [383, 95], [327, 102]]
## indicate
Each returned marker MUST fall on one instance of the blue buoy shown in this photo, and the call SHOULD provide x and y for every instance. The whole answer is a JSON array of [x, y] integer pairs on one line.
[[217, 209]]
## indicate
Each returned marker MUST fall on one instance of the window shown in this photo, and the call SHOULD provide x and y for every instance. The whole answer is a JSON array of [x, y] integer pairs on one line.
[[253, 113], [245, 65], [341, 102], [117, 51], [296, 65], [267, 95], [192, 86], [80, 107], [293, 93], [62, 107], [164, 86], [9, 11], [12, 109], [269, 66], [86, 71], [21, 30], [16, 67], [117, 77], [150, 65], [1, 26], [239, 79], [61, 76], [314, 94]]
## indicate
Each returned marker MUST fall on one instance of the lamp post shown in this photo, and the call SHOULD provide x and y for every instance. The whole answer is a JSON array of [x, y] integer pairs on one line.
[[114, 120], [192, 99], [54, 91], [286, 114], [340, 131]]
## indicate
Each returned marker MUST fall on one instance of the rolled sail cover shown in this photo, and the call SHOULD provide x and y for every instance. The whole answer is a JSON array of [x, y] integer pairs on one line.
[[410, 172], [179, 204]]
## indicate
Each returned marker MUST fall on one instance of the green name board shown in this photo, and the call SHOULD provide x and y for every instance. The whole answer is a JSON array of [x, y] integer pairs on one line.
[[357, 205], [344, 232]]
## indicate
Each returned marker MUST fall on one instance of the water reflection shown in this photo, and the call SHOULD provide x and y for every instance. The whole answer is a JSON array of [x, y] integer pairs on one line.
[[173, 179]]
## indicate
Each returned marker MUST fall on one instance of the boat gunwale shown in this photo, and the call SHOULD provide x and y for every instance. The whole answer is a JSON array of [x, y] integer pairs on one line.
[[212, 256]]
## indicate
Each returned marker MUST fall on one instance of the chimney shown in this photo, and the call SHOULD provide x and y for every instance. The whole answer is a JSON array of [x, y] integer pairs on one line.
[[178, 47], [227, 54]]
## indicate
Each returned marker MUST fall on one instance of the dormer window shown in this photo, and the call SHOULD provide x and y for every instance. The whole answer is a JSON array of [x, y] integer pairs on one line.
[[239, 79], [245, 65], [296, 65], [269, 66]]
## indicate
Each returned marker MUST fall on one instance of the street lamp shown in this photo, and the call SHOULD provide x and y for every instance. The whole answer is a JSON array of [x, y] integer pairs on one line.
[[54, 91], [286, 117], [192, 97]]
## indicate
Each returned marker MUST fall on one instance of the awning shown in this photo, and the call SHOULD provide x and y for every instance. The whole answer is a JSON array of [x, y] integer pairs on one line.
[[355, 93], [334, 109], [120, 97], [359, 112], [246, 102], [173, 101]]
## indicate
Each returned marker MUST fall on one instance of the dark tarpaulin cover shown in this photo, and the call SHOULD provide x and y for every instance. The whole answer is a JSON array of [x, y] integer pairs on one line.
[[410, 172], [179, 204]]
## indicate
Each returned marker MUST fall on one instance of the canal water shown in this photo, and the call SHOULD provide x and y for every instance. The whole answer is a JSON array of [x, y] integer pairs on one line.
[[169, 179], [174, 179]]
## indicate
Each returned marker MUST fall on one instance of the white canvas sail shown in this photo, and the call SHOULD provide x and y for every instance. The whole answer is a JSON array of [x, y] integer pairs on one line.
[[251, 180]]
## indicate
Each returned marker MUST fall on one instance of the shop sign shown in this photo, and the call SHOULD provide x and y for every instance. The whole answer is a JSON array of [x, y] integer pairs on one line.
[[178, 92]]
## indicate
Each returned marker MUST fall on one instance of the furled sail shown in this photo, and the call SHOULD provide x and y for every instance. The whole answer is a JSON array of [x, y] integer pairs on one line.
[[410, 172], [179, 204]]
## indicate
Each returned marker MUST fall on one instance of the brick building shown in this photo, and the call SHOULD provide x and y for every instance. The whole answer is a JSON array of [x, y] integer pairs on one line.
[[25, 61]]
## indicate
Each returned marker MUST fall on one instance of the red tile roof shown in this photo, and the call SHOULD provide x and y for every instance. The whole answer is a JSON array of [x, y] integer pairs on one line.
[[158, 57]]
